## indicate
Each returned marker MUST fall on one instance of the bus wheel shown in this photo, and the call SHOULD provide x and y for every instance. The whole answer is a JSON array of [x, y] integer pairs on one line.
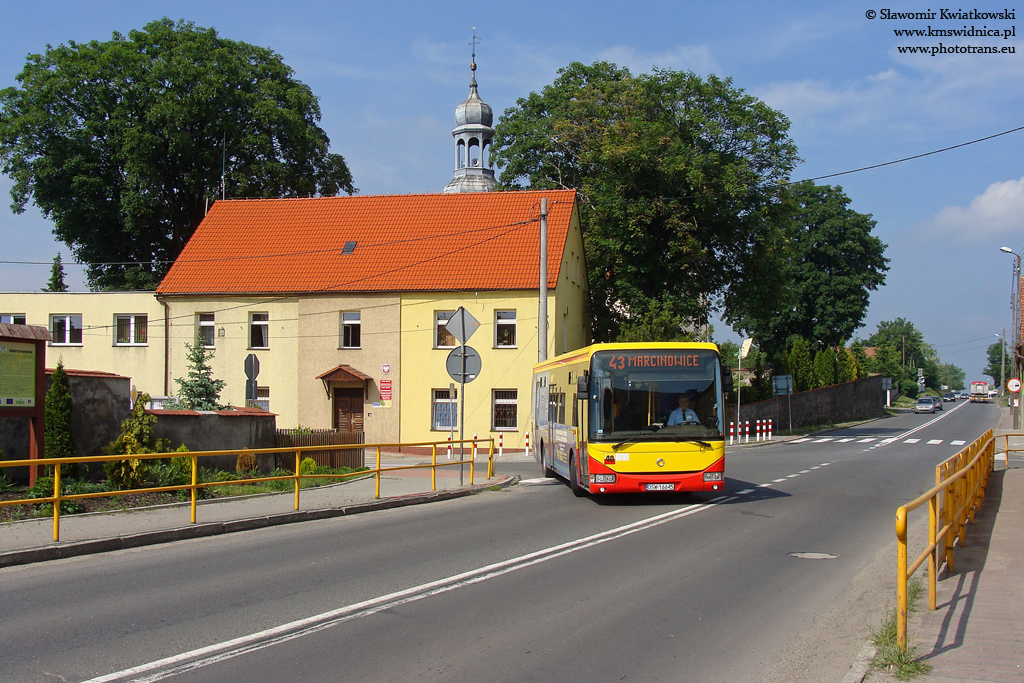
[[545, 470], [574, 478]]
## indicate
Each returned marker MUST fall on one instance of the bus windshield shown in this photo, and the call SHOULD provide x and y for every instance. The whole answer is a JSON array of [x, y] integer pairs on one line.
[[655, 395]]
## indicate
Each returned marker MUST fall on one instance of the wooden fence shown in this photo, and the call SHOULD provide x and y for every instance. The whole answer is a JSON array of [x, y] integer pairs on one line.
[[346, 457]]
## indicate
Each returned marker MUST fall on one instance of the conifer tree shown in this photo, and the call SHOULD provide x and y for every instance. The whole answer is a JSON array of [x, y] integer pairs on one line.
[[824, 368], [60, 441], [56, 283], [199, 391]]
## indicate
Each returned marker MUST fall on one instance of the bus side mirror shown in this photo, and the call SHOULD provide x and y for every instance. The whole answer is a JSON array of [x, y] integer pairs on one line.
[[583, 385], [727, 386]]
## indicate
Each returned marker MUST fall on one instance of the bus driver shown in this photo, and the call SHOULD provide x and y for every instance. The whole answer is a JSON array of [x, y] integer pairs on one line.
[[684, 414]]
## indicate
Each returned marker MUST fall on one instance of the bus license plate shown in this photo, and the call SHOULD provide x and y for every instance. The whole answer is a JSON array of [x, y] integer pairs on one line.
[[659, 487]]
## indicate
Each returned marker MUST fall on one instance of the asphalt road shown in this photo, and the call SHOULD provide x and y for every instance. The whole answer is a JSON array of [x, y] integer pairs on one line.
[[528, 584]]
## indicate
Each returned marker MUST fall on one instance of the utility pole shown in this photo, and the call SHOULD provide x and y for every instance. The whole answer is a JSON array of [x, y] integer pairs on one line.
[[542, 305], [1002, 370]]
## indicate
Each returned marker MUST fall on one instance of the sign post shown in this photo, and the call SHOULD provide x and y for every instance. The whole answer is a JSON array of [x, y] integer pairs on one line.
[[466, 363], [782, 385], [252, 370]]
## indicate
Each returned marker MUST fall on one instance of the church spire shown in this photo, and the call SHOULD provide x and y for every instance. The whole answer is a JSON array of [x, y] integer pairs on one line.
[[473, 136]]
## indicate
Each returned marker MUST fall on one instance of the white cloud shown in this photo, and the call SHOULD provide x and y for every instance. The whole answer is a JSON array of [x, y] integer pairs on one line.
[[997, 212], [696, 58]]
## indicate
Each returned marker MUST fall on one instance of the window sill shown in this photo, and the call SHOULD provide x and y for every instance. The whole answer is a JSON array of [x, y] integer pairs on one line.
[[65, 344]]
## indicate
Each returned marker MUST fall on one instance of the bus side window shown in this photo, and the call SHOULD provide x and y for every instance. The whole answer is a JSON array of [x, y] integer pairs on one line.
[[575, 411]]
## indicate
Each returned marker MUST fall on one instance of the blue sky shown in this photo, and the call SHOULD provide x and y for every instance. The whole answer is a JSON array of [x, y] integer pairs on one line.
[[390, 74]]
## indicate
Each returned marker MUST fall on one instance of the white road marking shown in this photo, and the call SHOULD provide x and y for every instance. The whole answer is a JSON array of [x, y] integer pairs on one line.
[[827, 438], [849, 438], [804, 471], [958, 443], [744, 491], [934, 442], [800, 440], [229, 649], [790, 476], [911, 440], [868, 440], [778, 481]]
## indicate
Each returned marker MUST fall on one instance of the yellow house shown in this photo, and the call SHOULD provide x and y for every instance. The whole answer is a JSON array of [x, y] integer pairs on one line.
[[120, 332], [343, 301]]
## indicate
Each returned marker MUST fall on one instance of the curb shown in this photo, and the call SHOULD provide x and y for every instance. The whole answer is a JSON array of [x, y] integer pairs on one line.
[[47, 553]]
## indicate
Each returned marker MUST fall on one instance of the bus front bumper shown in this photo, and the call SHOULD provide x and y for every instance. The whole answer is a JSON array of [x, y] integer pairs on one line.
[[605, 480]]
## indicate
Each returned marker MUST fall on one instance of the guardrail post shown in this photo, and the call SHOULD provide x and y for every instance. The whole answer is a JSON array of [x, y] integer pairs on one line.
[[433, 467], [377, 495], [298, 456], [195, 480], [56, 502], [901, 578], [732, 431], [932, 556]]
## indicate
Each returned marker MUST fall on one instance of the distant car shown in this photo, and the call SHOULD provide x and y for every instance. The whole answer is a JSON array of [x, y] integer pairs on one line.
[[927, 404], [950, 396]]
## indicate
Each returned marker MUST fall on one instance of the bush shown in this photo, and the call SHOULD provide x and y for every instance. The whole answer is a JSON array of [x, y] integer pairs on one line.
[[125, 474], [246, 463], [43, 488], [908, 388], [307, 466]]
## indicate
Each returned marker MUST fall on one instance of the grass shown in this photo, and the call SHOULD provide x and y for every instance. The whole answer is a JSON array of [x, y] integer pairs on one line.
[[901, 664]]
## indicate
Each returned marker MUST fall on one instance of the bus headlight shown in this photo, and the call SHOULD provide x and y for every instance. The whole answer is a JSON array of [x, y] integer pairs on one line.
[[713, 476], [602, 478]]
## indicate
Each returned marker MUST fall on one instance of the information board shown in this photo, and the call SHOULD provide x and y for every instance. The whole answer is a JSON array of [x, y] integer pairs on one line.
[[17, 375]]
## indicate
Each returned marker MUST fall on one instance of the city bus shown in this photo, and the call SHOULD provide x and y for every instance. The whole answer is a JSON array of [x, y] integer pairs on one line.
[[603, 417]]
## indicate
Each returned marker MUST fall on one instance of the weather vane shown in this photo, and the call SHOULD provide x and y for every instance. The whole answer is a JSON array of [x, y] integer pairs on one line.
[[474, 43]]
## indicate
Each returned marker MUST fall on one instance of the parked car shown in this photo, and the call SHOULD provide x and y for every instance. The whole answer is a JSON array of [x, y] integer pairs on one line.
[[927, 404], [950, 396]]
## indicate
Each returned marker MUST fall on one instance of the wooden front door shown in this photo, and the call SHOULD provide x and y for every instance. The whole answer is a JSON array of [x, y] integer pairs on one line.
[[348, 410]]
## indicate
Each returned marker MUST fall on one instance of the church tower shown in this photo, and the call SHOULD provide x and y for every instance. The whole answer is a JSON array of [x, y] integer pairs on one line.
[[473, 136]]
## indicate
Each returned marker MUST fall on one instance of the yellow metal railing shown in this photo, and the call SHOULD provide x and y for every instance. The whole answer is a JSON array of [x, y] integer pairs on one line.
[[297, 476], [959, 491]]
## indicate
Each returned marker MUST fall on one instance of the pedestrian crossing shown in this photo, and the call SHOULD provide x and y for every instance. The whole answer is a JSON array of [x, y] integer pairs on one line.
[[877, 440]]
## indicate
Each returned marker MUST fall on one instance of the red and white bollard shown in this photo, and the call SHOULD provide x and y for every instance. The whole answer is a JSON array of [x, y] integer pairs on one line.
[[769, 430], [448, 455], [732, 431], [474, 445], [748, 431], [527, 443], [757, 431], [501, 443]]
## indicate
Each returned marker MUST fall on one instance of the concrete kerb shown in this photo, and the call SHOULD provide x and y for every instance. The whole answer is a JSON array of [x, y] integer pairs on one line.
[[59, 551]]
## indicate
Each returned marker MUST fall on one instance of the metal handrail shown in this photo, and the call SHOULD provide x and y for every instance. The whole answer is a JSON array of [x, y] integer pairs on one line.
[[959, 491], [195, 485]]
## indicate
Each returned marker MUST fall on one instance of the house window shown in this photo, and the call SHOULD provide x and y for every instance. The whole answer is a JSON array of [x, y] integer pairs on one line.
[[66, 329], [259, 330], [130, 330], [505, 329], [443, 339], [445, 410], [505, 409], [262, 399], [204, 329], [351, 330], [12, 318]]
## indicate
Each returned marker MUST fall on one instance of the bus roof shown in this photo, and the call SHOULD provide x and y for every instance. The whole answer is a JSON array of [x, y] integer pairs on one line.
[[587, 351]]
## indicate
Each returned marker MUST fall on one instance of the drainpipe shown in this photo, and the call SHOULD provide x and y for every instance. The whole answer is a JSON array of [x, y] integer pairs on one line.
[[167, 344]]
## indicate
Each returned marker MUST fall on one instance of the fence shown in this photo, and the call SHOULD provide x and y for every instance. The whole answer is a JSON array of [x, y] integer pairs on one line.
[[295, 454], [334, 458], [959, 491]]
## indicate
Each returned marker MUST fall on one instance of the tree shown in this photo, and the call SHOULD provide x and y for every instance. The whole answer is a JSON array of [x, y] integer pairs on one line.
[[199, 391], [994, 369], [824, 368], [57, 432], [656, 324], [680, 182], [801, 365], [56, 283], [909, 345], [952, 376], [122, 143], [836, 264], [846, 366]]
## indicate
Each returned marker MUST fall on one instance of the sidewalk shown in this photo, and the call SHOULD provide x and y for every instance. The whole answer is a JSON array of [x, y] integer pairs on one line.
[[977, 631], [29, 541]]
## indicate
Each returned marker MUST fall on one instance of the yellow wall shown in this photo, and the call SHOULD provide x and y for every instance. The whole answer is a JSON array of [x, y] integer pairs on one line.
[[143, 364]]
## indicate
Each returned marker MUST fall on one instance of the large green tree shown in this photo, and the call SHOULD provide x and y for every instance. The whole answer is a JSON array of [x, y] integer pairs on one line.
[[680, 181], [836, 262], [122, 143], [908, 349]]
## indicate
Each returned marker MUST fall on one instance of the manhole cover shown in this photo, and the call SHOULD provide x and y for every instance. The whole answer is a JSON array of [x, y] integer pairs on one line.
[[814, 556]]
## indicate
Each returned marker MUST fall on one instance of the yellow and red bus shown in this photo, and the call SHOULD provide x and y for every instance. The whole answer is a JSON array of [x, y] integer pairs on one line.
[[603, 417]]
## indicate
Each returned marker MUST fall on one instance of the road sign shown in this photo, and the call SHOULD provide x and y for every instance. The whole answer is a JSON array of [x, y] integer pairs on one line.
[[782, 385], [454, 364], [252, 367], [1013, 386], [462, 325], [745, 347]]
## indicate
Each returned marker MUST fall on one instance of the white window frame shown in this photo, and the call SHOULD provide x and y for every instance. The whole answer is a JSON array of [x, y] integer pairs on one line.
[[68, 320], [504, 397], [206, 332], [440, 332], [444, 397], [351, 321], [137, 328], [257, 320], [500, 322], [13, 318]]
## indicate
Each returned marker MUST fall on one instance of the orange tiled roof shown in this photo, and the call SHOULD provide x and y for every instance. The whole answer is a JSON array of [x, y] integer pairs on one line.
[[427, 242]]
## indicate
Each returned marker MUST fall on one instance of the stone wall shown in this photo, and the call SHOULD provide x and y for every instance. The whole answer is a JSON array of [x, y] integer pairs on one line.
[[219, 430], [861, 399]]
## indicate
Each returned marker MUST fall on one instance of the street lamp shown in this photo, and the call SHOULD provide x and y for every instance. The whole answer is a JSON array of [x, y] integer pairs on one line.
[[1015, 312]]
